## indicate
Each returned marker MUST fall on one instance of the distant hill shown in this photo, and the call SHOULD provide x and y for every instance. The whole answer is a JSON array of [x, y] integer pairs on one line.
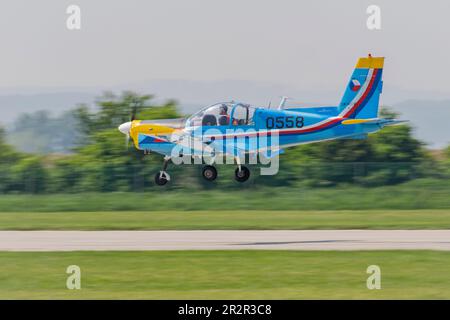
[[12, 105]]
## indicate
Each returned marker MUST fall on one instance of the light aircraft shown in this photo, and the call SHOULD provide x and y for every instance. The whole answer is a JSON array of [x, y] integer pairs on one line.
[[236, 129]]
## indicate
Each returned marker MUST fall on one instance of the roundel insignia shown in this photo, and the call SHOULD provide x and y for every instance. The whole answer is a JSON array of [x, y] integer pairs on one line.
[[355, 85]]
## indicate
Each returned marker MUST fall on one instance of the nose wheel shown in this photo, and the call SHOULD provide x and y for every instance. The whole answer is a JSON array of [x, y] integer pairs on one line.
[[209, 173], [162, 177], [242, 174]]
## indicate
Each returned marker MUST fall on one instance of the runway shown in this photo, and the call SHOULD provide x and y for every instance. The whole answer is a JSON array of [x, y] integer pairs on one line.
[[225, 240]]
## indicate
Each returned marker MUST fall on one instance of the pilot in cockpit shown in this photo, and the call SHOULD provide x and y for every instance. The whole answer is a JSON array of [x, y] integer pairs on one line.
[[224, 118]]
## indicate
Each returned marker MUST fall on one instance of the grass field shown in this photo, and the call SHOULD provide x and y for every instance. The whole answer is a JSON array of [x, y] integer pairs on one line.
[[226, 275], [216, 220], [418, 194]]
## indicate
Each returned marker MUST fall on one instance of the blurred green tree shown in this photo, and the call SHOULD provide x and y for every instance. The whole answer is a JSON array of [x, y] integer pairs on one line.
[[40, 132], [29, 175], [104, 162], [8, 156], [111, 111]]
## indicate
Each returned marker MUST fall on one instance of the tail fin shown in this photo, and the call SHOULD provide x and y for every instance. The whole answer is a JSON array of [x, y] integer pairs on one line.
[[361, 97]]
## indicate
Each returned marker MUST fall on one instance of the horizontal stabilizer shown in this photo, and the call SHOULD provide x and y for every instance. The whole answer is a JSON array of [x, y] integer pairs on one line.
[[379, 121]]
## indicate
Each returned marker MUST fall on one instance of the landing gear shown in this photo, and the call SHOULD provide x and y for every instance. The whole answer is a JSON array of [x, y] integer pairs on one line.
[[209, 173], [162, 177], [242, 174]]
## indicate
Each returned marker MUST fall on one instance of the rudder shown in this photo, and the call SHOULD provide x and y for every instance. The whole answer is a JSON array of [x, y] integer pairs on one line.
[[361, 97]]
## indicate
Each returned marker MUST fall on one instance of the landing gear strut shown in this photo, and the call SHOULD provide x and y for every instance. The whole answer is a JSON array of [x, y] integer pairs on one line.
[[162, 177], [209, 173]]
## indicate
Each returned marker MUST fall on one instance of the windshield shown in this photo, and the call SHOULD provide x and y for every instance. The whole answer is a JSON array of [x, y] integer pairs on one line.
[[222, 114], [216, 114]]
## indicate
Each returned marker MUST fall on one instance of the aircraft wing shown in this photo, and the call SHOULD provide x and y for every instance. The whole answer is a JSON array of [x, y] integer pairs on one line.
[[241, 147], [196, 146]]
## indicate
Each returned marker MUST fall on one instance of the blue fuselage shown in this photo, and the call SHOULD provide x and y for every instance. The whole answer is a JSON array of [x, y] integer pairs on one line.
[[292, 126]]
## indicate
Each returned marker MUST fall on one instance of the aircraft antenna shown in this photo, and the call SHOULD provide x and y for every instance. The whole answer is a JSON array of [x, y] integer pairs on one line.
[[283, 102]]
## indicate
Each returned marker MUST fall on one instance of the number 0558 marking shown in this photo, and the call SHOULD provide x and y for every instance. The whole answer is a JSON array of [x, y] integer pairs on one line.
[[284, 122]]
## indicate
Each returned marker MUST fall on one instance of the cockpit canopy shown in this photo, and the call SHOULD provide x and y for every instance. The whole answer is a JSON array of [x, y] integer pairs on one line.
[[223, 114]]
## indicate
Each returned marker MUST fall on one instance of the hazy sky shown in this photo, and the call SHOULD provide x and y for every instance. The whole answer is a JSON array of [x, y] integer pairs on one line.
[[304, 44]]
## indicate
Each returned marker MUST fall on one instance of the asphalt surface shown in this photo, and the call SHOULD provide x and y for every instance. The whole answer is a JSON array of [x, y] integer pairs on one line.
[[225, 240]]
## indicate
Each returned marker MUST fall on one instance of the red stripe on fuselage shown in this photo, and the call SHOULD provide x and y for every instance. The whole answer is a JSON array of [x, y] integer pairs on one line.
[[284, 132]]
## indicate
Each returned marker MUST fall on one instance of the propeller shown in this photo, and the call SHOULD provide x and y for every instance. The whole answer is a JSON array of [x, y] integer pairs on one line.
[[125, 128], [133, 112], [127, 140]]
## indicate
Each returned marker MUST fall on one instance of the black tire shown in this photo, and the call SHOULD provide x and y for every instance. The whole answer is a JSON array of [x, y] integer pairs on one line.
[[242, 175], [209, 173], [160, 181]]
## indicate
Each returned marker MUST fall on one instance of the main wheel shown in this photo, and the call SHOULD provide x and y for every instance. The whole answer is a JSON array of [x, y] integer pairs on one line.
[[209, 173], [161, 178], [242, 175]]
